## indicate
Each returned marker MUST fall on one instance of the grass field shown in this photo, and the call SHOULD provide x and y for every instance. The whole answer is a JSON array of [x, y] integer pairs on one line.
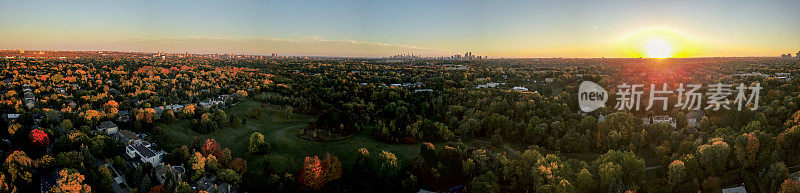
[[280, 130]]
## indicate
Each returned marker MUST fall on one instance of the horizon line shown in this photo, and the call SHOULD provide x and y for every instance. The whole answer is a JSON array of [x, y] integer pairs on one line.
[[386, 57]]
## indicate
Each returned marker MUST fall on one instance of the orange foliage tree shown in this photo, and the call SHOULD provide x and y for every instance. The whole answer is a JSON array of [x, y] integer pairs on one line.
[[18, 165], [91, 116], [70, 181], [316, 173], [111, 108]]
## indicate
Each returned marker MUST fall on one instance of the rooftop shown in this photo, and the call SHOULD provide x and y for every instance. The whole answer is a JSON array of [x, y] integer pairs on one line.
[[144, 151], [108, 124]]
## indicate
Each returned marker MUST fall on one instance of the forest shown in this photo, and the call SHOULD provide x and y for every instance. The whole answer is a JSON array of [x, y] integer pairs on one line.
[[378, 125]]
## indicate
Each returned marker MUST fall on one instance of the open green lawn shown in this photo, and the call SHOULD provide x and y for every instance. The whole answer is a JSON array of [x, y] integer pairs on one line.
[[280, 130]]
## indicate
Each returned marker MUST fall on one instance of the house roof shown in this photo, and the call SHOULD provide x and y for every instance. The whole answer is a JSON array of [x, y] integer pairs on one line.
[[12, 116], [108, 124], [144, 151], [738, 189], [695, 114], [128, 134]]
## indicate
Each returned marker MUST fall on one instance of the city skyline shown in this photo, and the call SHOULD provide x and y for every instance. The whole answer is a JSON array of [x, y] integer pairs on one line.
[[430, 29]]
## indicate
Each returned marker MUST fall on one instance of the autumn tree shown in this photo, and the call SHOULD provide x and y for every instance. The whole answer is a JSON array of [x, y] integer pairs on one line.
[[39, 138], [241, 94], [70, 181], [198, 163], [18, 165], [158, 189], [188, 110], [746, 149], [91, 116], [239, 165], [790, 186], [332, 168], [211, 147], [13, 128], [110, 108], [4, 185], [311, 174]]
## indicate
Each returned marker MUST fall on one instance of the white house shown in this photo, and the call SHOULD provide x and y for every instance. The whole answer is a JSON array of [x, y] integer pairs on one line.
[[490, 85], [519, 88], [665, 119], [141, 151]]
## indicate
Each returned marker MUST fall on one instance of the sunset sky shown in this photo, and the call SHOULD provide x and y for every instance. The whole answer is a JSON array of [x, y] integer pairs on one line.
[[427, 27]]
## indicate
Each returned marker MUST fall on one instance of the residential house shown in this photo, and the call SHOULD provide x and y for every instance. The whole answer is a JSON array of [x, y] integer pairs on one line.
[[141, 153], [423, 90], [693, 118], [490, 85], [108, 128], [169, 172], [10, 117], [211, 184], [30, 99], [665, 119], [127, 137], [737, 189], [519, 88]]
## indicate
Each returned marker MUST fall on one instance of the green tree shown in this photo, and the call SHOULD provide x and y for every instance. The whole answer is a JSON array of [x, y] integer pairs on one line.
[[584, 181], [775, 175], [714, 156], [677, 173], [485, 183], [623, 167], [257, 143], [230, 176]]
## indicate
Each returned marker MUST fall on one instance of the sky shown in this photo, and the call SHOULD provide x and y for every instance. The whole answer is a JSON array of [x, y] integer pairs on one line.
[[564, 28]]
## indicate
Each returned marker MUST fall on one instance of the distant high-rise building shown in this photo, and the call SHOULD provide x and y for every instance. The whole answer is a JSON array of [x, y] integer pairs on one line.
[[798, 55]]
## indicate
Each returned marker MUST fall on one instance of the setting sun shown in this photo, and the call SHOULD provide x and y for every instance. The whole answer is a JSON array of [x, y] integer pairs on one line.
[[658, 48], [659, 42]]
